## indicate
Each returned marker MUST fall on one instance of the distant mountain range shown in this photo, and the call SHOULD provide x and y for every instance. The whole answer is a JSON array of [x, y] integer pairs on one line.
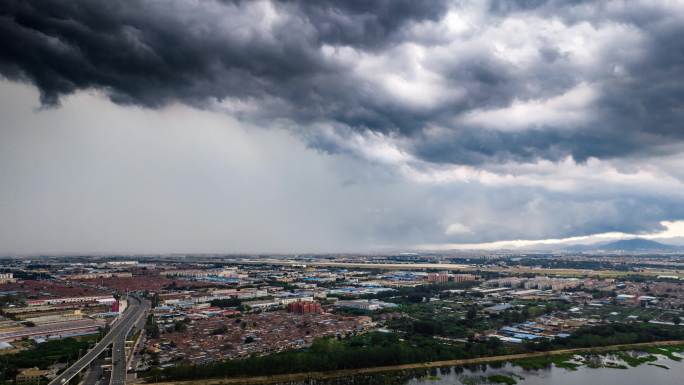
[[632, 245]]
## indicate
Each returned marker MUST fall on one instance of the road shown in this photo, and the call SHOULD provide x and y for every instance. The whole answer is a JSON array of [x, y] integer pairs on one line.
[[119, 359], [82, 325], [118, 376], [133, 358], [136, 309], [94, 374]]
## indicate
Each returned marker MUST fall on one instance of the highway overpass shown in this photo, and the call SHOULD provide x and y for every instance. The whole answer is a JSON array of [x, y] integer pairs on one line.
[[136, 309]]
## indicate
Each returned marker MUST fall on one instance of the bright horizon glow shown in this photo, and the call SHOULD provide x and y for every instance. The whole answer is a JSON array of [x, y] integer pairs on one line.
[[673, 229]]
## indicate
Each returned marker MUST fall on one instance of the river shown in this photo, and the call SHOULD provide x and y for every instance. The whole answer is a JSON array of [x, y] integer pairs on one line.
[[644, 374]]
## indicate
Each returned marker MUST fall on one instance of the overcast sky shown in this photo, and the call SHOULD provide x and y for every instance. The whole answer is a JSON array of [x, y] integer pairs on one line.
[[316, 126]]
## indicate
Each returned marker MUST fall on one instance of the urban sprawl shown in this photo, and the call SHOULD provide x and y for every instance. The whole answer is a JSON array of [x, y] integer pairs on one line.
[[195, 311]]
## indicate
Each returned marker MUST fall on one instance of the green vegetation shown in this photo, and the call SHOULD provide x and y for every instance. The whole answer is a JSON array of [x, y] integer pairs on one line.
[[9, 299], [44, 355], [386, 349], [566, 365], [542, 362], [635, 360], [618, 334], [180, 326], [443, 319], [223, 329], [227, 303], [151, 328], [590, 360], [667, 351], [368, 350], [461, 319], [155, 300]]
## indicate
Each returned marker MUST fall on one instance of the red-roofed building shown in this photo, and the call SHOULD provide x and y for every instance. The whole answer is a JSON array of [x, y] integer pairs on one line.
[[304, 307]]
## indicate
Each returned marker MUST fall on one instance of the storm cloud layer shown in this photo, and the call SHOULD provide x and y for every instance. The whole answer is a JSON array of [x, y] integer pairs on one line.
[[462, 121], [500, 81]]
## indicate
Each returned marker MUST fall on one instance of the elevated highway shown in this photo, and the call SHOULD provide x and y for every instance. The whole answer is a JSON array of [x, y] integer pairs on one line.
[[116, 336]]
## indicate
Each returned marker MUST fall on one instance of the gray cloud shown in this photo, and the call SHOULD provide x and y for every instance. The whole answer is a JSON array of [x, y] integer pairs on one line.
[[432, 121], [96, 177], [272, 55], [153, 53]]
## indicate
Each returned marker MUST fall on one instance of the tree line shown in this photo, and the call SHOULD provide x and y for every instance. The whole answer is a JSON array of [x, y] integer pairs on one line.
[[381, 349]]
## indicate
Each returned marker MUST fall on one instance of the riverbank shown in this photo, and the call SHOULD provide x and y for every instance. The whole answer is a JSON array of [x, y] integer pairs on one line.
[[293, 377]]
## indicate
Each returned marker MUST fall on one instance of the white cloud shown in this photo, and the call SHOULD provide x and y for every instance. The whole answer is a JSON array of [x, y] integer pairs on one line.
[[402, 76], [673, 229], [566, 175], [566, 110], [457, 229]]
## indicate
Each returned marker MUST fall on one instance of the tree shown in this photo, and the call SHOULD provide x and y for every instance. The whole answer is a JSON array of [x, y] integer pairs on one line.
[[223, 329], [525, 314], [155, 300], [427, 327], [180, 326], [471, 313], [227, 302], [151, 328], [415, 298], [493, 344]]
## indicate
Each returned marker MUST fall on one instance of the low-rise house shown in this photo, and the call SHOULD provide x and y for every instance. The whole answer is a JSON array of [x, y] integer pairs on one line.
[[31, 375]]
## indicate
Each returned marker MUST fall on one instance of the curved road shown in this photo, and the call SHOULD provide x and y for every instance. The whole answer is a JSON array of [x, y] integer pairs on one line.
[[135, 310]]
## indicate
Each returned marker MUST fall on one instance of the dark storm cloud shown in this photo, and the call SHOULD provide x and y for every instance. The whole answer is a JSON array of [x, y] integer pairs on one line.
[[156, 53], [508, 6], [568, 215], [142, 53], [480, 146], [365, 23], [151, 53]]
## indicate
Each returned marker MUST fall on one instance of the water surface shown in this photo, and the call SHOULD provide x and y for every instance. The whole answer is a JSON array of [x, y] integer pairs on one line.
[[644, 374]]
